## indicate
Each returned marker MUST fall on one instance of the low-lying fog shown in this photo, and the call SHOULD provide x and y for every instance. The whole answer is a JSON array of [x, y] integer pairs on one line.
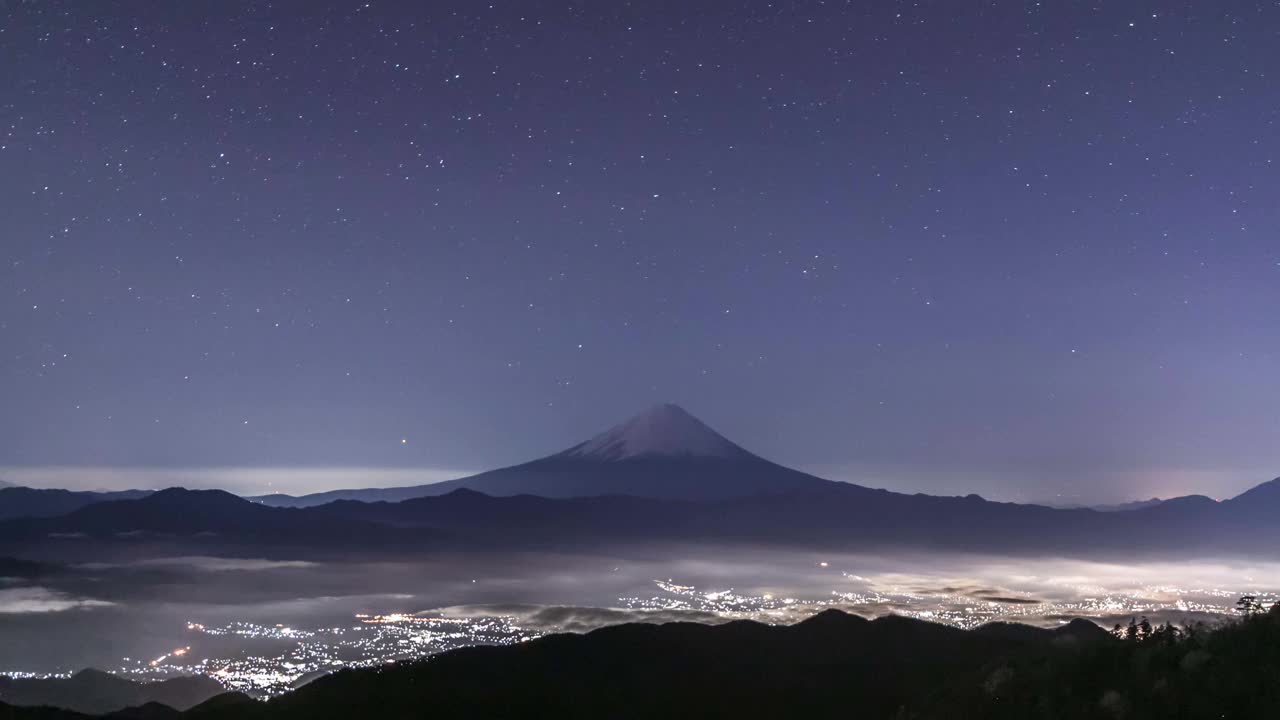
[[261, 624]]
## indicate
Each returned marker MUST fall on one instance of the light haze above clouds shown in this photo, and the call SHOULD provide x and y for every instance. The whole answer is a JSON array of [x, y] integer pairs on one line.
[[239, 480]]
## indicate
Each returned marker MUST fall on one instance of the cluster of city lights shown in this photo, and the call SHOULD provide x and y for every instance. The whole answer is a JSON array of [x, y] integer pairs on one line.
[[296, 655], [303, 654]]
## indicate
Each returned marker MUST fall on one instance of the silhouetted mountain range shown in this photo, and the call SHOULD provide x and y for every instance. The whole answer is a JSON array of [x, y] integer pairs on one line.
[[18, 502], [834, 516], [208, 521], [97, 692], [740, 668], [662, 476], [832, 665]]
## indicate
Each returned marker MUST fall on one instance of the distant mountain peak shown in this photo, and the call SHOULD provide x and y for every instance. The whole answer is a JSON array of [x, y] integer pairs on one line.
[[662, 453], [662, 431], [1268, 489], [183, 495]]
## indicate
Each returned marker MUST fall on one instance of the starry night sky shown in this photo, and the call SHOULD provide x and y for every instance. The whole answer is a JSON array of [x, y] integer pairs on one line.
[[1022, 249]]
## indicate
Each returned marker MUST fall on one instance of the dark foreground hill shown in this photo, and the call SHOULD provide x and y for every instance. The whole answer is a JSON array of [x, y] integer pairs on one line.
[[833, 665], [94, 691], [834, 661]]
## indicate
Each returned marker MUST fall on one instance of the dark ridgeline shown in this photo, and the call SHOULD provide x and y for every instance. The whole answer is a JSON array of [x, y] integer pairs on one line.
[[662, 476], [832, 517], [18, 502], [832, 665], [97, 692], [200, 521]]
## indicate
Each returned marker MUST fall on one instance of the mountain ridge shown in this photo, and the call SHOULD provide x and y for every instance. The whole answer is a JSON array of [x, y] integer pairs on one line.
[[651, 455], [93, 691], [831, 665], [19, 501], [829, 516], [659, 476], [737, 669], [661, 452]]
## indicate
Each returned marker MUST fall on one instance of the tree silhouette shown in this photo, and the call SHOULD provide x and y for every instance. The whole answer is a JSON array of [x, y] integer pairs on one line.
[[1249, 605]]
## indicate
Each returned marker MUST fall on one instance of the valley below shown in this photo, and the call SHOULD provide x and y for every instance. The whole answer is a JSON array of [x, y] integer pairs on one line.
[[658, 521], [264, 626]]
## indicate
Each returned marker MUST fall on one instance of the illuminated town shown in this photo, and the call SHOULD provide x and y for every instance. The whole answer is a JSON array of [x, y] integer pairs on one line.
[[308, 653], [299, 654]]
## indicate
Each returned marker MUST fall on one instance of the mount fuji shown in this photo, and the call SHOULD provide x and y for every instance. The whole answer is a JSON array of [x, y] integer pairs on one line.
[[662, 475], [664, 452], [663, 431]]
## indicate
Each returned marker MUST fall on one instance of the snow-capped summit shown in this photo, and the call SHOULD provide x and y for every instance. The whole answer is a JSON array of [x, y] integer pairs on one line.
[[663, 431], [664, 452]]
